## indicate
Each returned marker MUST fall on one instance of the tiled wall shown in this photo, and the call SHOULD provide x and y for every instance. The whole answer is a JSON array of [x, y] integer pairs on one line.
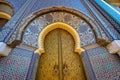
[[16, 65], [104, 65], [16, 4]]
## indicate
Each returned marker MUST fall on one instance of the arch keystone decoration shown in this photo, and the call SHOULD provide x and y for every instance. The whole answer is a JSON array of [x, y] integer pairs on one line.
[[56, 25]]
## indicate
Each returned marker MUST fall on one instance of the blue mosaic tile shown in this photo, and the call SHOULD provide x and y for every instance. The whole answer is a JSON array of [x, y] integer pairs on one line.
[[33, 30], [17, 4], [16, 65], [72, 4], [10, 26], [105, 65]]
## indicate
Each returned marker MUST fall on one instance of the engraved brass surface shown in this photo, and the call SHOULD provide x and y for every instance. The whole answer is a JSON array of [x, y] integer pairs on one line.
[[60, 62], [73, 68], [48, 63]]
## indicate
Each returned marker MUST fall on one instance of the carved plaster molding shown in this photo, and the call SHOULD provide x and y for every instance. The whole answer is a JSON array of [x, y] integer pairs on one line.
[[4, 49], [53, 26], [114, 47]]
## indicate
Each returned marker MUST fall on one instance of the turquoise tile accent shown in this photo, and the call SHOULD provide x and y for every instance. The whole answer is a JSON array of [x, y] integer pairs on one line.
[[111, 12]]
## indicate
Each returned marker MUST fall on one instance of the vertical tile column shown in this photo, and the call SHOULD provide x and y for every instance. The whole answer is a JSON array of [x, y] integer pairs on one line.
[[90, 75], [33, 67]]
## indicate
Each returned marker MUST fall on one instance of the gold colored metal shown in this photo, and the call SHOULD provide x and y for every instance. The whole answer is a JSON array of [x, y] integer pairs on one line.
[[63, 26], [73, 68], [60, 55], [60, 61], [5, 15], [47, 66], [56, 70], [65, 69]]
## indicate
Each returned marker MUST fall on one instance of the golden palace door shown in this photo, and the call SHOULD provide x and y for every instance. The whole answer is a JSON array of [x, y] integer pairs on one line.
[[59, 62]]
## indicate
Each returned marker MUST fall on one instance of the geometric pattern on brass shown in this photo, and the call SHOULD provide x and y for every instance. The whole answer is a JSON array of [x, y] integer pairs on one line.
[[48, 59], [73, 68], [59, 62], [53, 26]]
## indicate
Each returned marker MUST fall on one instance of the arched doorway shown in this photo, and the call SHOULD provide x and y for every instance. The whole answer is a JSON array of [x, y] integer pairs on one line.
[[60, 61]]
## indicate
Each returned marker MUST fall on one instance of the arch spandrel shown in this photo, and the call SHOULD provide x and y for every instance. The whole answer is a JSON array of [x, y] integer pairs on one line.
[[53, 26], [25, 32]]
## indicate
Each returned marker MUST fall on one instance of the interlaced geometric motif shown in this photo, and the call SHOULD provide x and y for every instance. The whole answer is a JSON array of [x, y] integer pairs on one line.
[[15, 66], [33, 30], [105, 65]]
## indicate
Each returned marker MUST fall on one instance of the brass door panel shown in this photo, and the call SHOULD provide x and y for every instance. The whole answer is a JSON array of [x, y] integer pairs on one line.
[[48, 63], [59, 62], [72, 65]]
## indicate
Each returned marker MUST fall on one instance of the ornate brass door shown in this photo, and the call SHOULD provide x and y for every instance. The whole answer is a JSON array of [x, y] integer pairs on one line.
[[59, 62]]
